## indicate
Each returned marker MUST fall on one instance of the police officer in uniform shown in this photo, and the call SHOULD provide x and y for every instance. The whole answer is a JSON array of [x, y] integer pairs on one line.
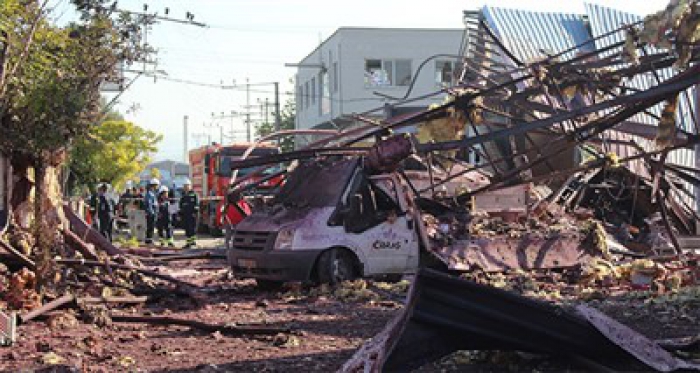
[[189, 209], [92, 204], [105, 212]]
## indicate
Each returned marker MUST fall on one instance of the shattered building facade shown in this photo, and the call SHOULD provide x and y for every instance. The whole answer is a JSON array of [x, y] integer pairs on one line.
[[609, 102], [528, 36]]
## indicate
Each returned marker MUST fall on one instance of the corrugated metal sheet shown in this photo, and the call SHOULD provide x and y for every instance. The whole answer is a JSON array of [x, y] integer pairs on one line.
[[532, 35], [605, 20]]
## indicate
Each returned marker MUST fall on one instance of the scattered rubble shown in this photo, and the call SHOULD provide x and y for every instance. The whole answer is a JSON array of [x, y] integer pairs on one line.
[[533, 247], [359, 290]]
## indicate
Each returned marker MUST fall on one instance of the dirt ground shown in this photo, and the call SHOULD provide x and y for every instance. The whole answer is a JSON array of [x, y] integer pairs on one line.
[[325, 332], [326, 329]]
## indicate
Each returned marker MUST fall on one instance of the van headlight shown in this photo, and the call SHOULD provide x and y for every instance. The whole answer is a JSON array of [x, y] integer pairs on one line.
[[285, 238]]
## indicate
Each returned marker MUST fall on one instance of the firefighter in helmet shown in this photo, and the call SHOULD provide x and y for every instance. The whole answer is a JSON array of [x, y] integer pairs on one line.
[[189, 209], [150, 204], [164, 222]]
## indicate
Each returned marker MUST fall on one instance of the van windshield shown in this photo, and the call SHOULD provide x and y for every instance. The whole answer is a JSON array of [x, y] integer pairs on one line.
[[317, 183]]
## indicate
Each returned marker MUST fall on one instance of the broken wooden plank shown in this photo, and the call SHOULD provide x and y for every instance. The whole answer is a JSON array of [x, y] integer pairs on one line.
[[233, 330], [18, 255], [48, 307], [148, 272], [79, 245], [89, 234], [124, 300]]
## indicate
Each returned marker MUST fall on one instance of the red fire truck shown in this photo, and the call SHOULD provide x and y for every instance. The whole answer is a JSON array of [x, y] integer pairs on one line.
[[210, 169]]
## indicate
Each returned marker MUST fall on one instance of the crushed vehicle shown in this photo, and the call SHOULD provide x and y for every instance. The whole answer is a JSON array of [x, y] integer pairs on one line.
[[330, 222], [342, 217]]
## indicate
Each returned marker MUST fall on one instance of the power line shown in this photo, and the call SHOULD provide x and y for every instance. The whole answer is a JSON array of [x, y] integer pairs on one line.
[[266, 30], [189, 21], [242, 88]]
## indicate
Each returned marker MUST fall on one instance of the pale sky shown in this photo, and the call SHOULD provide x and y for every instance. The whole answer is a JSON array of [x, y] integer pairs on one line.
[[254, 39]]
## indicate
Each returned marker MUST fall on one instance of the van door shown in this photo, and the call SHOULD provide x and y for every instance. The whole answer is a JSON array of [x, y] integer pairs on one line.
[[382, 229]]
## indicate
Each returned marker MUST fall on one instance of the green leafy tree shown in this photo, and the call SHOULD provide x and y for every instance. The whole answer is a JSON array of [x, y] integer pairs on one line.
[[115, 151], [50, 78], [287, 122], [155, 173]]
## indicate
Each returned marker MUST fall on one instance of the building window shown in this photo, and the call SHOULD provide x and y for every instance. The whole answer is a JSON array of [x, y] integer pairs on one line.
[[300, 98], [402, 74], [382, 73], [335, 77], [307, 99], [313, 91], [445, 73], [324, 93]]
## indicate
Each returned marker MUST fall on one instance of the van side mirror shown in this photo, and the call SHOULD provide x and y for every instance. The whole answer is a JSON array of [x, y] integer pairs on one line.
[[207, 158]]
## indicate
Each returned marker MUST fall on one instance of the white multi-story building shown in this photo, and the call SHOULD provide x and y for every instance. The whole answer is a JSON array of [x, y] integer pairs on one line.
[[356, 69]]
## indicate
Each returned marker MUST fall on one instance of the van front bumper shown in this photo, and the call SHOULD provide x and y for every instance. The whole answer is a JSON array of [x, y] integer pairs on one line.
[[292, 265]]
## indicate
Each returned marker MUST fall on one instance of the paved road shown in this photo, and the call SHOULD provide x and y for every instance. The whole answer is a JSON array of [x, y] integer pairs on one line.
[[204, 241]]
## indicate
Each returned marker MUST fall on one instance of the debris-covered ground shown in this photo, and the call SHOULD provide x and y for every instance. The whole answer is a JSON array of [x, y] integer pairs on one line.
[[326, 327], [326, 324]]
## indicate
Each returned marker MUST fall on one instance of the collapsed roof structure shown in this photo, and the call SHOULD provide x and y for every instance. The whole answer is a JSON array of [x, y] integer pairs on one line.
[[602, 108], [541, 99]]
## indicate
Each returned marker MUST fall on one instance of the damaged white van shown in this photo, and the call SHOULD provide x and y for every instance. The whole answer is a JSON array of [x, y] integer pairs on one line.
[[330, 222]]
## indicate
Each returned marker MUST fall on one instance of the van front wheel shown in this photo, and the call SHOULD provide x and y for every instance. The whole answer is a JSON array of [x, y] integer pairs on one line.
[[335, 266]]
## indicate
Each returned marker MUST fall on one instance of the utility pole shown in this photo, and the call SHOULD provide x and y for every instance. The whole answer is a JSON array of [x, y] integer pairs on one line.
[[232, 133], [215, 123], [278, 118], [233, 126], [262, 110], [185, 136]]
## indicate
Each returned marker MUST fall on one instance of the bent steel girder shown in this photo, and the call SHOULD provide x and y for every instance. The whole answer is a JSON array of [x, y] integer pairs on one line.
[[530, 98]]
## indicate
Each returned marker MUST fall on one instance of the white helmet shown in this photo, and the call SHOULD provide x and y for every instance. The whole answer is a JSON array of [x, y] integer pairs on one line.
[[163, 189], [187, 182], [154, 181]]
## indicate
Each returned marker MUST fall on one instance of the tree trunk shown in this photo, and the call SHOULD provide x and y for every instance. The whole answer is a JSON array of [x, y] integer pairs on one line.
[[21, 195], [37, 219], [43, 242]]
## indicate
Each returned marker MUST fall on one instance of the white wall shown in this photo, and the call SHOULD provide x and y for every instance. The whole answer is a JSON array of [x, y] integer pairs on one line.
[[350, 48]]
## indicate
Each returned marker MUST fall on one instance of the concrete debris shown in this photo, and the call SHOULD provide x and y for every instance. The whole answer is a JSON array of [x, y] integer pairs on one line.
[[21, 293], [62, 321], [373, 292], [51, 358]]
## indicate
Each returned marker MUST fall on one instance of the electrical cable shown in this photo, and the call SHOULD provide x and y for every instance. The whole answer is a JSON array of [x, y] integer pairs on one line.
[[242, 88]]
